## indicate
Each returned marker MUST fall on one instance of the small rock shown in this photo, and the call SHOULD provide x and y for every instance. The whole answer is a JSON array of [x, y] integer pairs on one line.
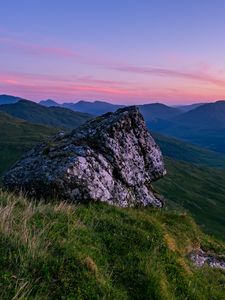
[[201, 258]]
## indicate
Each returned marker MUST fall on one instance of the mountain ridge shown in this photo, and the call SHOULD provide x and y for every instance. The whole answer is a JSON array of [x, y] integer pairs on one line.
[[50, 116], [8, 99]]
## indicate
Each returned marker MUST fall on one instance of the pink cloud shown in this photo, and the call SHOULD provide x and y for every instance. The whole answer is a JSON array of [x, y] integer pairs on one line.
[[14, 45], [40, 87], [48, 79], [201, 75], [33, 85]]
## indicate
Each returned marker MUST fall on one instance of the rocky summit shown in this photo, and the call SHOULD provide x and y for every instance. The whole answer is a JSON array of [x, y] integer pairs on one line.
[[111, 158]]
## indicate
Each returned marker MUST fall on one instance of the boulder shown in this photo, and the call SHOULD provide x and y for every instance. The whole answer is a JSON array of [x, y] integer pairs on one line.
[[111, 158]]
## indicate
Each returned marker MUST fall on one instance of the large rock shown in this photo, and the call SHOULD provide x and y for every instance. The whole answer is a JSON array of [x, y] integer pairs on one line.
[[111, 158]]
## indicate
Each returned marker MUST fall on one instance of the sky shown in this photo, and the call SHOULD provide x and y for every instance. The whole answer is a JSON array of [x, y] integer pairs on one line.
[[120, 51]]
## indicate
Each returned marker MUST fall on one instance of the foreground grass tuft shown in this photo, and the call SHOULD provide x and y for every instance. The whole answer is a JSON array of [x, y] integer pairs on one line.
[[64, 251]]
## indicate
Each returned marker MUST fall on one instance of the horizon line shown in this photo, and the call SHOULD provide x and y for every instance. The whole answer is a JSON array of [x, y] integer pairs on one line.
[[109, 102]]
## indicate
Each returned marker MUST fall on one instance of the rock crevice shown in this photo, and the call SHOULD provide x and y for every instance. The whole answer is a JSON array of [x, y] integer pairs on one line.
[[112, 158]]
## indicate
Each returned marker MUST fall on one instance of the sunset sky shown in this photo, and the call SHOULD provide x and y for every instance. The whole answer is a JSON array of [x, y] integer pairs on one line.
[[121, 51]]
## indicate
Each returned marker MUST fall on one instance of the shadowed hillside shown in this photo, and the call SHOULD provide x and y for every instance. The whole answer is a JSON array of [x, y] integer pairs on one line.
[[184, 151], [210, 115], [50, 116], [203, 126], [7, 99], [200, 190], [17, 137]]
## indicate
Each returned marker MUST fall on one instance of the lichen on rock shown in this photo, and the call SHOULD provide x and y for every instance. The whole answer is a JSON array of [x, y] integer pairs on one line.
[[111, 158], [201, 258]]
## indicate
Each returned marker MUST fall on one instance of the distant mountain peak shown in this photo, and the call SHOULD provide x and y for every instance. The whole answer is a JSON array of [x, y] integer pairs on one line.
[[8, 99], [49, 102]]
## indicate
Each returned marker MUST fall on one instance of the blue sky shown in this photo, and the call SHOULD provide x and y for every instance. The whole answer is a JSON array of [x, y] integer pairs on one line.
[[123, 51]]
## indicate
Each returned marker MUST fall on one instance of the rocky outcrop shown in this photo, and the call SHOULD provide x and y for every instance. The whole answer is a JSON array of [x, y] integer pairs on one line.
[[201, 258], [112, 158]]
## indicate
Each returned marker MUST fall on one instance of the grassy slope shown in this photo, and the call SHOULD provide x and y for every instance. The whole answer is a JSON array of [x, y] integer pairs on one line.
[[16, 137], [199, 190], [61, 251]]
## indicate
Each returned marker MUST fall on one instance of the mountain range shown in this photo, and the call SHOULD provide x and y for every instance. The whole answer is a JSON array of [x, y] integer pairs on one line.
[[51, 116], [203, 126], [188, 107], [7, 99], [150, 111], [200, 124]]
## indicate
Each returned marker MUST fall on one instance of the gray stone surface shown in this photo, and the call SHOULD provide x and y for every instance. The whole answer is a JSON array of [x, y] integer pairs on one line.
[[112, 159], [201, 258]]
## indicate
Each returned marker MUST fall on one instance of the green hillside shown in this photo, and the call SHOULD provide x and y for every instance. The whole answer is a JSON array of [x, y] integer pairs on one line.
[[200, 190], [183, 151], [49, 116], [16, 137], [62, 251]]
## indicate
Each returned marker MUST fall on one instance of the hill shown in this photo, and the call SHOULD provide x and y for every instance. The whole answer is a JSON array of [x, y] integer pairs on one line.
[[17, 137], [211, 139], [156, 111], [184, 151], [207, 116], [150, 111], [49, 103], [93, 108], [186, 108], [62, 251], [49, 116], [7, 99], [200, 190], [203, 126]]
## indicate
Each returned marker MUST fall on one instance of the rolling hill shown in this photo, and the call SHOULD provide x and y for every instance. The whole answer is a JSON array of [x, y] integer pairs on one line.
[[192, 185], [190, 153], [199, 190], [7, 99], [156, 111], [93, 108], [49, 103], [207, 116], [189, 107], [203, 126], [49, 116], [17, 137], [150, 111]]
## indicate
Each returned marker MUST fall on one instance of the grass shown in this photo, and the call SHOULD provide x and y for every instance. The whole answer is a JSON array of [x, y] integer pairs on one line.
[[199, 190], [64, 251], [17, 137]]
